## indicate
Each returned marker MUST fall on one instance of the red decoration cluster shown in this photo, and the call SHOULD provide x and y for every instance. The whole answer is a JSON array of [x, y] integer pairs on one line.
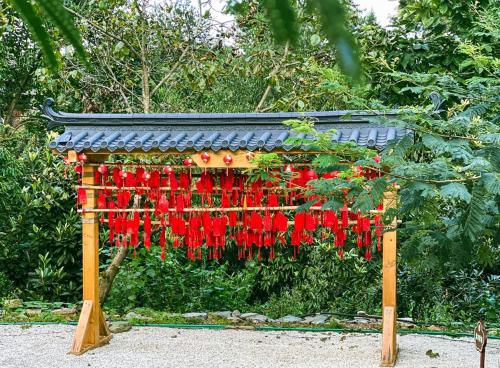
[[220, 205]]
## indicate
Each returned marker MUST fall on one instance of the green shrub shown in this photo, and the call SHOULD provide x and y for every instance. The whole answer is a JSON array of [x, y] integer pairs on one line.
[[180, 285]]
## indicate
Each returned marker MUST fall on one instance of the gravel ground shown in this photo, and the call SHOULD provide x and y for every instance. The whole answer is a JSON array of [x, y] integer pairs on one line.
[[47, 346]]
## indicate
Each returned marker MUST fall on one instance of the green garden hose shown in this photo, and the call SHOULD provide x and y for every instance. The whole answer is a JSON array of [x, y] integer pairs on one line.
[[270, 328]]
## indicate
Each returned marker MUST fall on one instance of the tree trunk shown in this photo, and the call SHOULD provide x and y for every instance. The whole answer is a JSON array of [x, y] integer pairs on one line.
[[108, 276]]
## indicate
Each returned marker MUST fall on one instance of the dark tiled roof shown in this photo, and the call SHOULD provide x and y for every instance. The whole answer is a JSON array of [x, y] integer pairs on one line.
[[181, 132]]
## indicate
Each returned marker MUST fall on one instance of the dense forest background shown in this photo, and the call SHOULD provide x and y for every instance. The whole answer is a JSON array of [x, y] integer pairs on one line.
[[171, 58]]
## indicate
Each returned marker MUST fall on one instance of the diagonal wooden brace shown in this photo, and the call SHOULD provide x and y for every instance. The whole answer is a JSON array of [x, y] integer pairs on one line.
[[90, 334]]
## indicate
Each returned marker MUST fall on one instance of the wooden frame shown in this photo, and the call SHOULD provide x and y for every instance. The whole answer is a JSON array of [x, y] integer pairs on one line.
[[92, 330], [389, 272]]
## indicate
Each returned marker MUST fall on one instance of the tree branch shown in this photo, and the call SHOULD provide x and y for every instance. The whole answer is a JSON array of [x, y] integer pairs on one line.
[[103, 31], [171, 72], [271, 75]]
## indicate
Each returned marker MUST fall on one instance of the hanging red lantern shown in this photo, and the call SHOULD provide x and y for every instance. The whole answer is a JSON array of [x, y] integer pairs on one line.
[[205, 157], [168, 169], [228, 159], [188, 161], [377, 159], [103, 169], [82, 157]]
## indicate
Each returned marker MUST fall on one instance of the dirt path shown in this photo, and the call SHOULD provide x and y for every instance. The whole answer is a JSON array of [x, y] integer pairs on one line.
[[46, 346]]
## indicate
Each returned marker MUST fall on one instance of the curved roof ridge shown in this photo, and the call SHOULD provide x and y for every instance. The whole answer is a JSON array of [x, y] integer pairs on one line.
[[252, 118]]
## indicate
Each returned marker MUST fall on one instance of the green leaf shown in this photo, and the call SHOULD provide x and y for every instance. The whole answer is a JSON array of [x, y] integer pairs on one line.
[[333, 19], [491, 183], [40, 35], [119, 46], [433, 141], [403, 146], [426, 190], [315, 40], [326, 160], [473, 222], [378, 188], [283, 20], [62, 19], [456, 191]]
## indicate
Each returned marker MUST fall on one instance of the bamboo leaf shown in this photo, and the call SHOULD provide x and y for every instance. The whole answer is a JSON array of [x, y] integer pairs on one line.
[[283, 20], [64, 22], [34, 24], [333, 19]]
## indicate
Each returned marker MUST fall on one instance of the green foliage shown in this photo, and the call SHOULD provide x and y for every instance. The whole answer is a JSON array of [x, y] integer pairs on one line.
[[283, 20], [6, 285], [180, 285], [34, 24], [40, 232], [447, 168], [55, 11], [333, 19], [318, 281]]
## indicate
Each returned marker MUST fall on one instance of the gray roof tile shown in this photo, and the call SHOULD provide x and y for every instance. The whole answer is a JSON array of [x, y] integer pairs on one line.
[[249, 131]]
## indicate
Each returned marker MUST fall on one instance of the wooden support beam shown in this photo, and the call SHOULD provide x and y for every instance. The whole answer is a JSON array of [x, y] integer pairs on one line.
[[92, 330], [389, 312], [240, 159]]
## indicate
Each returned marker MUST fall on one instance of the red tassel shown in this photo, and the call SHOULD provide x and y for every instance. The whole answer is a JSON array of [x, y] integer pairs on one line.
[[179, 205], [268, 222], [147, 231], [256, 222], [82, 196], [233, 219], [299, 222], [310, 223], [344, 214], [101, 200], [162, 243], [368, 254], [163, 204], [280, 222]]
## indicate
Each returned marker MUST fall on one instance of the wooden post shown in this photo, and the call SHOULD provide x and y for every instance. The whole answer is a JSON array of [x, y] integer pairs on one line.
[[389, 315], [92, 330]]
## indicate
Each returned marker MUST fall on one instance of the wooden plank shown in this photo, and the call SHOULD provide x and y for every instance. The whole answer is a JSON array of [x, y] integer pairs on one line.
[[389, 254], [82, 328], [240, 159], [90, 230], [72, 156], [389, 350]]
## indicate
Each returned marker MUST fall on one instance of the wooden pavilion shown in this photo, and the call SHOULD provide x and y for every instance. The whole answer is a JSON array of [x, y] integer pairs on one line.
[[189, 134]]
